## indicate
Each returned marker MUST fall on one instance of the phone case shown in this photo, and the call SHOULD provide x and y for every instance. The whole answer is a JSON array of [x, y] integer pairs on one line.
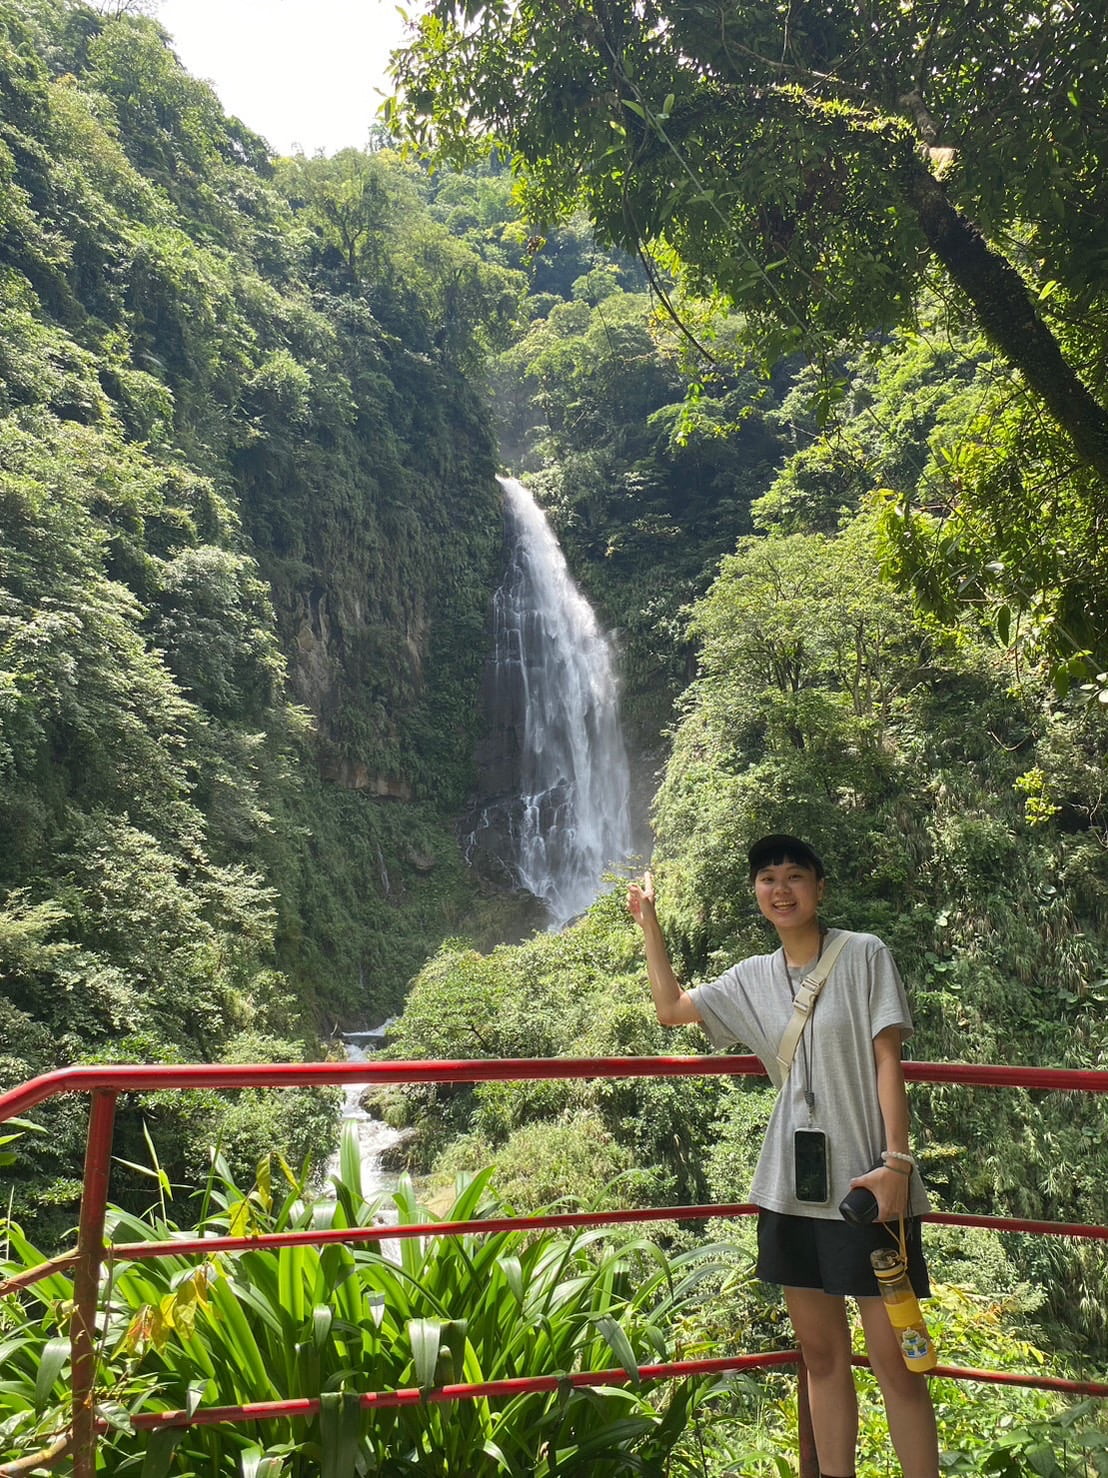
[[811, 1171]]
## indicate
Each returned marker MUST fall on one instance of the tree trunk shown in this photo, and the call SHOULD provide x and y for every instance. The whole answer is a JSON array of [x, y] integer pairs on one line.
[[1009, 320]]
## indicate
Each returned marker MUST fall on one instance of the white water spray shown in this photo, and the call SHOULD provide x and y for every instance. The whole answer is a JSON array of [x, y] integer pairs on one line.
[[555, 669]]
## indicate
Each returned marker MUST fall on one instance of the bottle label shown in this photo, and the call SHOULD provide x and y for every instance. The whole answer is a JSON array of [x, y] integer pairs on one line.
[[916, 1344], [917, 1349]]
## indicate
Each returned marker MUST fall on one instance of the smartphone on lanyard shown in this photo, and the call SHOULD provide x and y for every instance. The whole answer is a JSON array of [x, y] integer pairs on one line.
[[811, 1171]]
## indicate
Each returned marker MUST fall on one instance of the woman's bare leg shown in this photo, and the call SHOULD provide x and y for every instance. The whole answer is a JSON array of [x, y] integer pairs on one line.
[[823, 1334], [911, 1415]]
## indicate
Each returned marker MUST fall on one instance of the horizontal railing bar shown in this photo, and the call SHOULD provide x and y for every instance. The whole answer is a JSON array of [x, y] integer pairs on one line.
[[144, 1077], [306, 1407], [479, 1226], [137, 1078], [386, 1232], [489, 1390], [523, 1385], [1016, 1224], [1031, 1382], [484, 1226], [971, 1075]]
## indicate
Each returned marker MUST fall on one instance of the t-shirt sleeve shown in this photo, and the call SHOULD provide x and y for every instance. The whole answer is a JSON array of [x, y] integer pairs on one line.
[[888, 1000], [715, 1004]]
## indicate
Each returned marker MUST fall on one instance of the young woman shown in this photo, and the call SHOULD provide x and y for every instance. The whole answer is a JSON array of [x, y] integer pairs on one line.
[[846, 1081]]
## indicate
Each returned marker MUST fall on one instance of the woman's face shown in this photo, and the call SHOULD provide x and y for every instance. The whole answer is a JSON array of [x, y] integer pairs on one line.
[[788, 894]]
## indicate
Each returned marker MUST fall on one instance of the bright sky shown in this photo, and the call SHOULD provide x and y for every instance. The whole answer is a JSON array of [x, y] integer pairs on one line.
[[305, 74]]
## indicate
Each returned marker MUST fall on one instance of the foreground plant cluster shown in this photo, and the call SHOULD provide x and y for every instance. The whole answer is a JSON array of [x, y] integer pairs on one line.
[[331, 1323], [182, 1333]]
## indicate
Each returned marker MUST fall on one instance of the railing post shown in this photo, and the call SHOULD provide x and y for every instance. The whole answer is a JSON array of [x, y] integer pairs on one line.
[[809, 1462], [86, 1280]]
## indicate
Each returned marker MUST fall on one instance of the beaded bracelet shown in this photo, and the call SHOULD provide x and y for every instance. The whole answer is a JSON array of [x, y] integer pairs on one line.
[[888, 1155]]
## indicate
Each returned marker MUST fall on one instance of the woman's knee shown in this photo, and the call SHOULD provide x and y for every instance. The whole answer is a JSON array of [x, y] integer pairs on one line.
[[821, 1331], [824, 1357], [824, 1365], [893, 1376]]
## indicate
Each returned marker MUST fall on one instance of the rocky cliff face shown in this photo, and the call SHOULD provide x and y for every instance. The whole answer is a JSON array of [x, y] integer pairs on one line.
[[489, 826], [319, 668], [382, 555]]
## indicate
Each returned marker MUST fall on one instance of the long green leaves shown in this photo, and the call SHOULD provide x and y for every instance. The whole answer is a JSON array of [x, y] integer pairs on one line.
[[332, 1323]]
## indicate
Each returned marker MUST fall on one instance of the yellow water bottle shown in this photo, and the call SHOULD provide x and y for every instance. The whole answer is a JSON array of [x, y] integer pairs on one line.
[[902, 1306]]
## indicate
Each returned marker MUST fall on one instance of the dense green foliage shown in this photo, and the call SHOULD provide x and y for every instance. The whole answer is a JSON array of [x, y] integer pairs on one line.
[[332, 1323], [823, 172], [248, 531]]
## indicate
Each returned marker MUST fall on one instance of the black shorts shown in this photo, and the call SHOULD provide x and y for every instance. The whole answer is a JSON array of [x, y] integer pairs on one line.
[[817, 1252]]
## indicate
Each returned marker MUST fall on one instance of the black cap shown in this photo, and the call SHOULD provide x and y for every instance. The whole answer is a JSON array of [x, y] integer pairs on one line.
[[778, 847]]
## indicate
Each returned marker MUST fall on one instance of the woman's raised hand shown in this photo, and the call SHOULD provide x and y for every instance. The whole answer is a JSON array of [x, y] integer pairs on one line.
[[640, 898]]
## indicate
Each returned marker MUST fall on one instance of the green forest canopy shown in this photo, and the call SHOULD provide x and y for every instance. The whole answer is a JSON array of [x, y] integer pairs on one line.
[[823, 169], [248, 530]]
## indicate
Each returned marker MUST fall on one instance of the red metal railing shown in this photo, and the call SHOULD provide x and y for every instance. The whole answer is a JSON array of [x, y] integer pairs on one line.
[[104, 1084]]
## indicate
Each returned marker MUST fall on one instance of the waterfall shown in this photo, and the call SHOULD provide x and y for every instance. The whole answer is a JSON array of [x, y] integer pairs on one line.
[[553, 687]]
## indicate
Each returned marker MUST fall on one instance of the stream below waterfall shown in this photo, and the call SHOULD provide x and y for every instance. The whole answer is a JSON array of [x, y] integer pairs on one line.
[[375, 1138]]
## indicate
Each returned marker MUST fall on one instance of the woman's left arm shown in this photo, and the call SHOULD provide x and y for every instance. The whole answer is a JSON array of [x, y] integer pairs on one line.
[[890, 1185], [892, 1094]]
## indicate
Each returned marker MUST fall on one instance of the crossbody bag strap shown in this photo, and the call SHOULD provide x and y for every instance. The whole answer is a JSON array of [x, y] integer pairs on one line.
[[803, 1002]]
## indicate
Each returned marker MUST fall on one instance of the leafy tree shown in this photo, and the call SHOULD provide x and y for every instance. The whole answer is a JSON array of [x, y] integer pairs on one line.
[[780, 154], [354, 198], [212, 621], [170, 124], [370, 208], [967, 471], [821, 171]]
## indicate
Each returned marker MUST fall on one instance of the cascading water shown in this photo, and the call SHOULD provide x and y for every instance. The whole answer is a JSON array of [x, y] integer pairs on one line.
[[553, 688], [374, 1138]]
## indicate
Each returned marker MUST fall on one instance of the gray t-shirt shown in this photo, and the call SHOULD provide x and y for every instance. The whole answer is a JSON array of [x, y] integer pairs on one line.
[[752, 1003]]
